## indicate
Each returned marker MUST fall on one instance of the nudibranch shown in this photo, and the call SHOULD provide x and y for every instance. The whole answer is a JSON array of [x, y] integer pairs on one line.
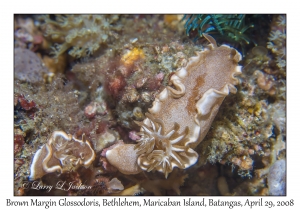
[[62, 152], [182, 113]]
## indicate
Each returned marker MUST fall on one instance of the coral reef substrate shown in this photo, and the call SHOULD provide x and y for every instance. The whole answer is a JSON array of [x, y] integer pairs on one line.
[[114, 104]]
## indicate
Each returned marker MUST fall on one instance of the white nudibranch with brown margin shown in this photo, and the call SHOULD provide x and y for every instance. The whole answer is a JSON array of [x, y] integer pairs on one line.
[[182, 113], [62, 152]]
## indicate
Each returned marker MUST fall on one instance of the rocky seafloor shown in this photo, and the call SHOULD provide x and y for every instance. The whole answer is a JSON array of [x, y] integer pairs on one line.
[[95, 76]]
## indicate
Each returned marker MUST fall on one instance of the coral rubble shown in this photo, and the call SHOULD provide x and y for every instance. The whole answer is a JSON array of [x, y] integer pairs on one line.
[[277, 41]]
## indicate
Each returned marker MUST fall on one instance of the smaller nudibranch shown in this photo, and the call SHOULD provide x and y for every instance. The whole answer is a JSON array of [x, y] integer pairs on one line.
[[62, 152], [182, 113]]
